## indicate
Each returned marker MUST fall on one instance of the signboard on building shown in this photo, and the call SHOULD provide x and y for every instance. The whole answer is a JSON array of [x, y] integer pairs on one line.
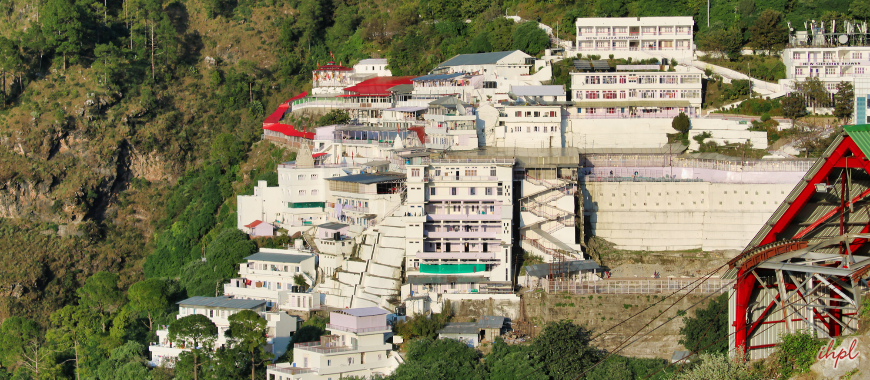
[[610, 38]]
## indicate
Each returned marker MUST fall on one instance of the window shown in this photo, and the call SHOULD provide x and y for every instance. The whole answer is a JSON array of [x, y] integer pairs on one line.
[[488, 191], [211, 313], [301, 177], [798, 71], [328, 362], [667, 94], [528, 113], [518, 114], [314, 176], [537, 114], [622, 94], [856, 55], [828, 56], [296, 269], [622, 79], [860, 70], [279, 286], [492, 172], [314, 192], [415, 172], [470, 172], [301, 192], [609, 94], [536, 128], [452, 191], [830, 70], [553, 114], [472, 191], [431, 191], [611, 110], [591, 94]]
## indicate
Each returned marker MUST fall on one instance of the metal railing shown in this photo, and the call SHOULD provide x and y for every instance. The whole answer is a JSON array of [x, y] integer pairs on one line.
[[330, 326], [290, 370], [462, 178], [469, 161], [664, 162], [652, 286]]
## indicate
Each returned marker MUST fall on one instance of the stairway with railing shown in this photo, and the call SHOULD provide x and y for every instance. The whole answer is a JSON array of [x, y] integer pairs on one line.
[[403, 196], [536, 236]]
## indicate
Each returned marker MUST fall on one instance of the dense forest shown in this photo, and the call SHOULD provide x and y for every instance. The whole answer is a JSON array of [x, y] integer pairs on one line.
[[128, 127]]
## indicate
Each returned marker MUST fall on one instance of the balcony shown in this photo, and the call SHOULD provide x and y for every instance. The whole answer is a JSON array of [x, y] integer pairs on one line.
[[470, 161], [460, 234], [356, 330], [461, 217], [463, 178], [290, 370], [319, 348]]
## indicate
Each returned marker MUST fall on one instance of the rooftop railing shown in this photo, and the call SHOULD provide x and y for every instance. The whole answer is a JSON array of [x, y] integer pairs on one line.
[[470, 161], [664, 162], [330, 326]]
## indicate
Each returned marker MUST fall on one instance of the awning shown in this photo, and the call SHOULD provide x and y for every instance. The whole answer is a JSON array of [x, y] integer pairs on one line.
[[315, 155]]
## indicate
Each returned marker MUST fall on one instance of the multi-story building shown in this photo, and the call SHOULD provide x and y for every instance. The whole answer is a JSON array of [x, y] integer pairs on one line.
[[451, 124], [530, 126], [376, 66], [635, 33], [862, 100], [355, 346], [636, 91], [459, 228], [280, 326], [270, 275]]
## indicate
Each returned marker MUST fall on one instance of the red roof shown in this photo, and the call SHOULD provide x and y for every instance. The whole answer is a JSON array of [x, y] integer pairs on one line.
[[315, 155], [272, 121], [378, 86], [421, 133], [254, 224]]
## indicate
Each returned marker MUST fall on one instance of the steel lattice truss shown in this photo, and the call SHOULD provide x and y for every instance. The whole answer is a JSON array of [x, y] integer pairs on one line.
[[805, 268]]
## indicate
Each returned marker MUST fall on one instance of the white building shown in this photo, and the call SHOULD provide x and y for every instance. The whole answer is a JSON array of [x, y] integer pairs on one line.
[[459, 232], [355, 346], [451, 124], [831, 65], [279, 326], [631, 93], [862, 100], [548, 93], [377, 66], [612, 34], [530, 126], [269, 275]]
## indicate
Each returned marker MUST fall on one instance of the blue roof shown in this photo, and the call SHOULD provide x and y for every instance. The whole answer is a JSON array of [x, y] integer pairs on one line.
[[437, 77]]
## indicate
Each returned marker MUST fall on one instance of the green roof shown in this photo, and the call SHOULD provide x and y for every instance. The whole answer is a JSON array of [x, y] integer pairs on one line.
[[860, 134]]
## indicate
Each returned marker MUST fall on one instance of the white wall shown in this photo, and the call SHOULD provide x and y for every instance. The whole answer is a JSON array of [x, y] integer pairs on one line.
[[680, 215]]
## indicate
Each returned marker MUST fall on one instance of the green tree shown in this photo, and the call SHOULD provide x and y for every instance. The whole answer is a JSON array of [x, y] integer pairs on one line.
[[681, 123], [15, 334], [428, 359], [768, 32], [73, 326], [126, 362], [529, 38], [610, 8], [704, 331], [109, 66], [198, 332], [11, 62], [222, 258], [101, 292], [746, 7], [62, 27], [813, 90], [334, 117], [148, 296], [844, 101], [513, 362], [248, 332], [725, 43], [860, 10], [499, 33], [793, 107], [565, 350], [227, 150]]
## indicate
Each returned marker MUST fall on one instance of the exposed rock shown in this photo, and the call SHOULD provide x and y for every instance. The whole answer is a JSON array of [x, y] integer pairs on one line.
[[149, 166], [850, 357]]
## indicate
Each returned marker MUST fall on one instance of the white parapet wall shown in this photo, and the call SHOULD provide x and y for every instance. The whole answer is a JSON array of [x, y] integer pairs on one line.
[[726, 131], [680, 215], [618, 133]]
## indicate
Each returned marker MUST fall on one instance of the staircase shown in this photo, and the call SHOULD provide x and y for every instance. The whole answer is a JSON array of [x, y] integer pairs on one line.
[[536, 236]]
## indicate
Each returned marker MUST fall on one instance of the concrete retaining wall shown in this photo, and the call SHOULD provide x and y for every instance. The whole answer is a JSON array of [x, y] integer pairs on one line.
[[681, 215]]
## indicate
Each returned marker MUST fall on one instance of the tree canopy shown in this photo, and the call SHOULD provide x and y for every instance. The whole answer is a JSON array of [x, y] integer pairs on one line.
[[704, 331], [529, 38]]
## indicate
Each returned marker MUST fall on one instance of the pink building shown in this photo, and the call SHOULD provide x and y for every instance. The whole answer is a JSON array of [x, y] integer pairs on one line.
[[260, 228]]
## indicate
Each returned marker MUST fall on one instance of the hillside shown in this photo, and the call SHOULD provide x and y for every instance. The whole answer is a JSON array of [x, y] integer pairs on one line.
[[128, 127]]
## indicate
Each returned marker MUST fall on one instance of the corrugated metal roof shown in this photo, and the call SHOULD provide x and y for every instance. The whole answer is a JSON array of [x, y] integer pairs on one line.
[[860, 134], [278, 257], [332, 226], [460, 328], [478, 59], [364, 311], [548, 90], [448, 100], [491, 322], [226, 302]]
